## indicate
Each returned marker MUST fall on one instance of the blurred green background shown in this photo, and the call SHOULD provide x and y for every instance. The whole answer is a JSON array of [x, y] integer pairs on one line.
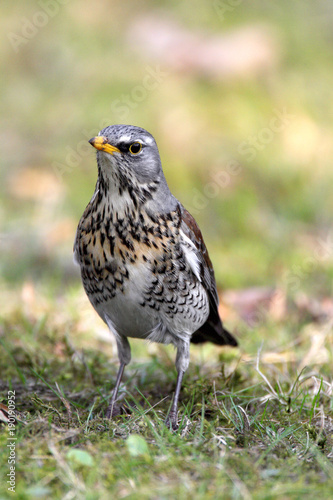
[[239, 98]]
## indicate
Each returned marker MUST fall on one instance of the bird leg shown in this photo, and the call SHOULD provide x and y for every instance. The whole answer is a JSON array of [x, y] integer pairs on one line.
[[124, 355], [182, 362], [111, 411], [172, 417]]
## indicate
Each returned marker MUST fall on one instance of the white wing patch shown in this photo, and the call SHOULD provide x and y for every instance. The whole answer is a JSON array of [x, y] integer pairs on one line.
[[190, 253]]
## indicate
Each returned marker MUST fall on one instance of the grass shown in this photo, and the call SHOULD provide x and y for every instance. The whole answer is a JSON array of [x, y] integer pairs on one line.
[[256, 422], [247, 428]]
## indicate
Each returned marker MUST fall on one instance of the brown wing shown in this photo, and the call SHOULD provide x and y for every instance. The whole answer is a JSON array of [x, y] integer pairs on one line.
[[213, 329]]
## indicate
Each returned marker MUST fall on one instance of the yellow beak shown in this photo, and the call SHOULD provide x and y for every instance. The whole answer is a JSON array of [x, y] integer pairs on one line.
[[100, 142]]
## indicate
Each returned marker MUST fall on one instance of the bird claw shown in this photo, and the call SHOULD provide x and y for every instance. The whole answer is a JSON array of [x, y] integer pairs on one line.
[[171, 420], [113, 411]]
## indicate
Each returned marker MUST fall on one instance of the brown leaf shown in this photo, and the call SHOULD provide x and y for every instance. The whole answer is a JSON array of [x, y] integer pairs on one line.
[[254, 304], [319, 310], [5, 415]]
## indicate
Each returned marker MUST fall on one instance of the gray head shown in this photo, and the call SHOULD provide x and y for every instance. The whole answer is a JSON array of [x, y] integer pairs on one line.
[[128, 161]]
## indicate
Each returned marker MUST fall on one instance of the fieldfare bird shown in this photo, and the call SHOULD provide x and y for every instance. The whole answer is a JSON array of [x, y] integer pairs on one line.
[[144, 265]]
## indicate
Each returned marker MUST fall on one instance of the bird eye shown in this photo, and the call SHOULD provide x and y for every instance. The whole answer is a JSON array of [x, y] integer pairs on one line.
[[135, 148]]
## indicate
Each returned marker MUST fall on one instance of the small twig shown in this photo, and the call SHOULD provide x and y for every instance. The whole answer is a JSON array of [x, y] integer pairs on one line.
[[272, 391], [64, 402], [35, 399], [66, 469], [150, 408], [247, 420]]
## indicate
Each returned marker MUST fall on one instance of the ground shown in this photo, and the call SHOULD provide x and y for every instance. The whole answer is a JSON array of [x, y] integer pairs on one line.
[[251, 425]]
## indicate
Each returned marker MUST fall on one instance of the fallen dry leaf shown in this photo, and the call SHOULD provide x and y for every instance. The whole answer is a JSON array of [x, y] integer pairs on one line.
[[4, 415], [255, 304], [319, 310]]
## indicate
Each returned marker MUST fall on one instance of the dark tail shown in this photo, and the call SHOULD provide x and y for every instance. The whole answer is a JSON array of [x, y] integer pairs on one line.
[[213, 332]]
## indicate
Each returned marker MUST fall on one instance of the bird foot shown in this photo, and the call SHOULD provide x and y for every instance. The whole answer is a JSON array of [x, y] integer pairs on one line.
[[113, 411], [171, 420]]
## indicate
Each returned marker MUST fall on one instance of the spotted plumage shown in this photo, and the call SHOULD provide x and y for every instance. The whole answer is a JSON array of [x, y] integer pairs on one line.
[[144, 264]]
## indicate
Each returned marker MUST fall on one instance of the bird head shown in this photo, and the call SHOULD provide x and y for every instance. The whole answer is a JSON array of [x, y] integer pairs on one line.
[[127, 153], [129, 166]]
